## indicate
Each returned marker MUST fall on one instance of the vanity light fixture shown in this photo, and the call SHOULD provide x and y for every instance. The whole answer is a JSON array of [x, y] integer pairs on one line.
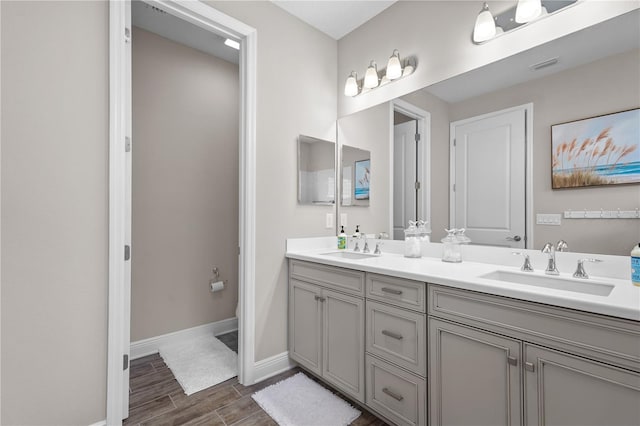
[[485, 28], [394, 71], [523, 12], [351, 86], [528, 10], [371, 76]]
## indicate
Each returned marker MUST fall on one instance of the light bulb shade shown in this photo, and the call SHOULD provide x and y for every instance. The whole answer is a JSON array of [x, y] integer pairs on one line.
[[351, 85], [485, 28], [528, 10], [394, 69], [371, 77]]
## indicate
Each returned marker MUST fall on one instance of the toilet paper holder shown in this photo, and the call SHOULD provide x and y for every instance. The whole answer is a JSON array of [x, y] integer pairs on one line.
[[215, 284]]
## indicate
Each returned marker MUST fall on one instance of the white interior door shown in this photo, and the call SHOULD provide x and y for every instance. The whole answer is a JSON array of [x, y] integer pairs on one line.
[[488, 173], [404, 177]]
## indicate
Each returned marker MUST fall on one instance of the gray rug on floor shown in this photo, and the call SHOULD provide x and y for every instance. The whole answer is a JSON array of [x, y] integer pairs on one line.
[[200, 362], [299, 401]]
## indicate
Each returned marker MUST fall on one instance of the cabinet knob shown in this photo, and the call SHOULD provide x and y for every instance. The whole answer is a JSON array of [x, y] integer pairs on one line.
[[512, 360], [321, 299], [529, 366], [392, 394]]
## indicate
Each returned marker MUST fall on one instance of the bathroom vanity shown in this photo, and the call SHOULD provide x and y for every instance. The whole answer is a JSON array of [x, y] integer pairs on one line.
[[422, 342]]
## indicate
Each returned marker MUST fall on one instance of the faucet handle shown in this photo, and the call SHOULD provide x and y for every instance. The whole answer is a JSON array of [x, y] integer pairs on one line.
[[562, 246], [580, 272], [526, 266], [356, 248], [377, 250], [366, 246]]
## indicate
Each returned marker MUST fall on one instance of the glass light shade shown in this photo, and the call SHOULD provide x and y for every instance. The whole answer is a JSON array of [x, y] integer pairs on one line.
[[371, 76], [394, 69], [485, 28], [528, 10], [408, 69], [351, 85]]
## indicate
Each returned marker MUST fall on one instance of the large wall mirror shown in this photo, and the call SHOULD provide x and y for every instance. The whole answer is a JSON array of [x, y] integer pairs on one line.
[[592, 72], [316, 171]]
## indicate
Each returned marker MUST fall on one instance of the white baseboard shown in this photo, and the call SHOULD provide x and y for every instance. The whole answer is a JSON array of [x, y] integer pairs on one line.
[[100, 423], [150, 346], [271, 366]]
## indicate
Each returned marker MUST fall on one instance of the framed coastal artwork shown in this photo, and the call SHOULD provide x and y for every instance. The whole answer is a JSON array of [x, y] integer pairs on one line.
[[602, 150], [362, 179]]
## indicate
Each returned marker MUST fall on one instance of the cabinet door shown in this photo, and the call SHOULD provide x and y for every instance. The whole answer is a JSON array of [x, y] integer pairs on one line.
[[562, 389], [343, 341], [305, 325], [474, 376]]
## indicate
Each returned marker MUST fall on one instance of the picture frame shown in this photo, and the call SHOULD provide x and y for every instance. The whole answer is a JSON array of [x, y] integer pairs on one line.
[[596, 151], [362, 172]]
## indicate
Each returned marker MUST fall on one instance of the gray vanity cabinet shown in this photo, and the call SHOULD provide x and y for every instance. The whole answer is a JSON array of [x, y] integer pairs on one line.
[[474, 376], [326, 324], [561, 389]]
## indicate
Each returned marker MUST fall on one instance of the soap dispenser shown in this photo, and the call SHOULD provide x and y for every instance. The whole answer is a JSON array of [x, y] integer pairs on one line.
[[342, 239]]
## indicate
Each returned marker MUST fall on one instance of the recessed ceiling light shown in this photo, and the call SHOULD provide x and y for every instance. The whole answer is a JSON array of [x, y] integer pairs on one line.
[[232, 43]]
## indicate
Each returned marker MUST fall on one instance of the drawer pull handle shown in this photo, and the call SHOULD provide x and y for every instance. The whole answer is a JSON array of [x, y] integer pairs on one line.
[[512, 360], [529, 366], [391, 290], [392, 334], [392, 394]]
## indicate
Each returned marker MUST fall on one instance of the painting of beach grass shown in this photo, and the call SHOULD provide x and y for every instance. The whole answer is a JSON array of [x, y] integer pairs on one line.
[[363, 177], [603, 150]]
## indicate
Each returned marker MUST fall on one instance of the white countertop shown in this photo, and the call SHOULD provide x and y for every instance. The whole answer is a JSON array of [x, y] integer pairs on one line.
[[622, 302]]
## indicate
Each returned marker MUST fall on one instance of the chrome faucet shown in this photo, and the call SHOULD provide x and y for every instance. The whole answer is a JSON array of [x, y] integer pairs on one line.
[[551, 266], [580, 272], [526, 266]]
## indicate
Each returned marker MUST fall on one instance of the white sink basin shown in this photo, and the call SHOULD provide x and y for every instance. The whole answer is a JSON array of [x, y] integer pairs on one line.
[[349, 255], [577, 285]]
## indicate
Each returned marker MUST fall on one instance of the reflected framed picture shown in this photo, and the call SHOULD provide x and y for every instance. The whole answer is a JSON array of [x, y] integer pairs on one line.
[[362, 179], [601, 150]]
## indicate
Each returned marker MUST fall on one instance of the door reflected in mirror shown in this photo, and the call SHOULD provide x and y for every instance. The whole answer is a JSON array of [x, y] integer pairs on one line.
[[316, 171], [356, 176]]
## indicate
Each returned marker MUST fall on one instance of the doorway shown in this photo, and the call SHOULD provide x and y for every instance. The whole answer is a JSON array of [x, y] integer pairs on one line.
[[211, 20], [410, 171], [490, 183]]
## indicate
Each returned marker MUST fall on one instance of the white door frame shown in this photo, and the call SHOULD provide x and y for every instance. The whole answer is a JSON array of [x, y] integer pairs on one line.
[[212, 20], [528, 174], [424, 129]]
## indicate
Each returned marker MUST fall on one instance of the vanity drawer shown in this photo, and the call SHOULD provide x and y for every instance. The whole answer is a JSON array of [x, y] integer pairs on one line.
[[397, 291], [397, 335], [607, 339], [395, 393], [341, 279]]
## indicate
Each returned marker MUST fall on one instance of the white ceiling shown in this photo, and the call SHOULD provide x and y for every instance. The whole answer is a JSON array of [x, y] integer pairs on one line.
[[175, 29], [334, 18]]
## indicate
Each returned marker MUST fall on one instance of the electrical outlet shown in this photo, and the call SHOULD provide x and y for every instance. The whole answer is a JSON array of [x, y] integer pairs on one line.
[[329, 221], [343, 219], [548, 219]]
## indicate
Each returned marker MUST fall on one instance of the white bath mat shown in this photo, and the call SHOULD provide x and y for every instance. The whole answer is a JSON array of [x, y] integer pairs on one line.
[[299, 401], [200, 362]]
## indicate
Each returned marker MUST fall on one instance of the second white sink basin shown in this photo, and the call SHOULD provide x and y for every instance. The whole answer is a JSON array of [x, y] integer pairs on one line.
[[577, 285], [349, 255]]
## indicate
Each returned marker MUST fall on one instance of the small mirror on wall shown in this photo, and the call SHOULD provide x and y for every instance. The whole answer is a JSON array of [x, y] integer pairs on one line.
[[356, 176], [316, 171]]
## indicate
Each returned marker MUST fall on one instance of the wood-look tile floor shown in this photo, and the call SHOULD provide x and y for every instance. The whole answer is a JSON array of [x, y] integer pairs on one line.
[[156, 398]]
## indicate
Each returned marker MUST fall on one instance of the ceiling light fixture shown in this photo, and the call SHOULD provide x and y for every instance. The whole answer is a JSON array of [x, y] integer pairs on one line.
[[485, 28], [232, 43], [394, 71]]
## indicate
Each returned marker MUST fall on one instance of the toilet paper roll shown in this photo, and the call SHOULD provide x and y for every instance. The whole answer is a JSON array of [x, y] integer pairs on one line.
[[216, 286]]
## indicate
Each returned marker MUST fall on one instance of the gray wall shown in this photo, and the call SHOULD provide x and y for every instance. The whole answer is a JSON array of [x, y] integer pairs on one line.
[[55, 127], [185, 186], [601, 87]]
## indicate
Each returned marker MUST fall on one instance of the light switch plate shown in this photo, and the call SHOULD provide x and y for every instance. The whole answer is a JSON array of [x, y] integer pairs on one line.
[[343, 219], [329, 221], [548, 219]]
